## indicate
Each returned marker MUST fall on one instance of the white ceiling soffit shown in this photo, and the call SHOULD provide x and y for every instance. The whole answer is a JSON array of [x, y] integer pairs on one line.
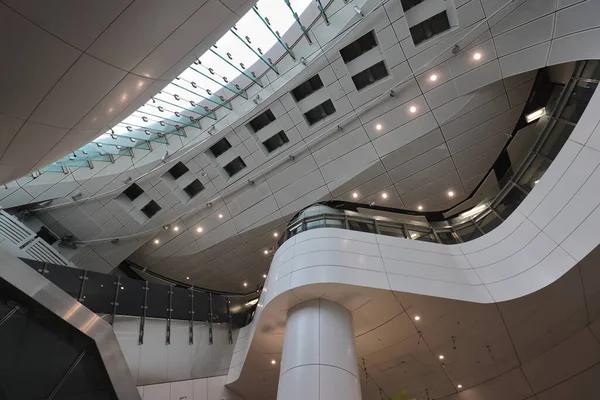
[[540, 346], [76, 68], [456, 139]]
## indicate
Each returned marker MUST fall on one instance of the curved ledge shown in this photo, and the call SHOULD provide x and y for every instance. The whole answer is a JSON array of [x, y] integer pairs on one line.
[[552, 230]]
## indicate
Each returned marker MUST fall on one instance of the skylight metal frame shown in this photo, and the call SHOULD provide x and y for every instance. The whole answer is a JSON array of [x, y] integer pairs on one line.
[[123, 149]]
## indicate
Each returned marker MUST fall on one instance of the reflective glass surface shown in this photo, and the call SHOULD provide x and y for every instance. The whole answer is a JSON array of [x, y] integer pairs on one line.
[[361, 226], [510, 202], [131, 296], [489, 222], [181, 303], [468, 232], [578, 101], [99, 292], [446, 237], [421, 236], [534, 173], [158, 300], [38, 349], [391, 231]]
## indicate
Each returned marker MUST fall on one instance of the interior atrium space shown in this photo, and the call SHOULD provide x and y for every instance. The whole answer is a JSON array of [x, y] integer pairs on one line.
[[300, 200]]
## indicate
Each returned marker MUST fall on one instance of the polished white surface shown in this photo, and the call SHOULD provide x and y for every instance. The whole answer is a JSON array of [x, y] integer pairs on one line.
[[319, 354], [458, 129]]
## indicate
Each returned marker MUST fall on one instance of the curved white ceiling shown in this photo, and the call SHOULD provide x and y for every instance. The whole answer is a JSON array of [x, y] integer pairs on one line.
[[76, 68]]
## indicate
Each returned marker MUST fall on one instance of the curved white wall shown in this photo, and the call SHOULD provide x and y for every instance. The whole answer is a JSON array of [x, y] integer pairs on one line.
[[553, 229]]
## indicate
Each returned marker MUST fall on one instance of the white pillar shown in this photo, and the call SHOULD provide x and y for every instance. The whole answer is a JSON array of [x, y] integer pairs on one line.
[[319, 354]]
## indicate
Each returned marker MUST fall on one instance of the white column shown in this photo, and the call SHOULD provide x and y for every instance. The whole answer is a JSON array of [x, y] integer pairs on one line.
[[319, 354]]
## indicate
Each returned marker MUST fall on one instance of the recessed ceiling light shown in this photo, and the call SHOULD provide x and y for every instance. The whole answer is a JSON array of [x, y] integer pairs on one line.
[[264, 275], [441, 356], [536, 182], [156, 241], [245, 284], [477, 56], [187, 277], [420, 208], [417, 318], [266, 251], [273, 362], [459, 386], [433, 78], [199, 229], [220, 215], [275, 234], [122, 288], [535, 115], [384, 195], [355, 195], [378, 127], [176, 228], [451, 193], [412, 109]]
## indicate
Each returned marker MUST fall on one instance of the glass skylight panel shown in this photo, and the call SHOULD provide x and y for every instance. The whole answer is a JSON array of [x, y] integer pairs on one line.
[[240, 53], [278, 13], [202, 82], [260, 37], [300, 5], [219, 66], [198, 90]]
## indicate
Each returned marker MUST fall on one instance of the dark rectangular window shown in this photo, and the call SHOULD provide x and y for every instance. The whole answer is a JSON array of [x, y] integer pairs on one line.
[[276, 141], [235, 166], [133, 191], [220, 147], [262, 120], [370, 75], [408, 4], [194, 188], [320, 112], [151, 209], [178, 170], [47, 236], [358, 47], [307, 88], [430, 27]]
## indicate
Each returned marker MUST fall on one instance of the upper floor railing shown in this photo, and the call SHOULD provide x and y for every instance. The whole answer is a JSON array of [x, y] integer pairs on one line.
[[556, 122]]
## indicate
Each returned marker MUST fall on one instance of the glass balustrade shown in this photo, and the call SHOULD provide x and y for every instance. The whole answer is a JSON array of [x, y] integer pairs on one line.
[[565, 107]]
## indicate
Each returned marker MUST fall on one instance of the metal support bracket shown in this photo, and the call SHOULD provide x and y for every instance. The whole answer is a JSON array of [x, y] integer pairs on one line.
[[143, 316], [115, 303], [191, 329], [83, 278], [230, 333], [210, 319], [169, 312]]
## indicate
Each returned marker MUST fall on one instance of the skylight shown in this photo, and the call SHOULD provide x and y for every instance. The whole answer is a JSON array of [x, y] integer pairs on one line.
[[232, 64], [209, 81]]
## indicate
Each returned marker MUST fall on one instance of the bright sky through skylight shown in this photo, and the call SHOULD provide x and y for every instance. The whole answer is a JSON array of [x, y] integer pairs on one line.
[[213, 76]]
